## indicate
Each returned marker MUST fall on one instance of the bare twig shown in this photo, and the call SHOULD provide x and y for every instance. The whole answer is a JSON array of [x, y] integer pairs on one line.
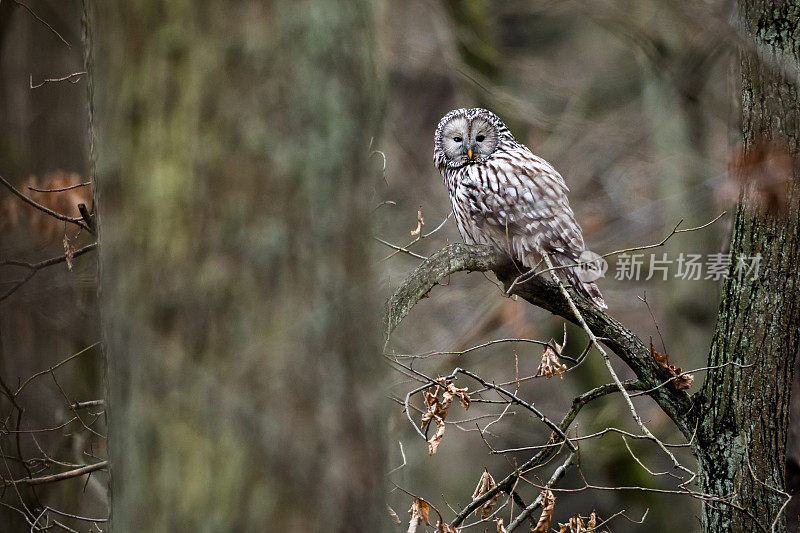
[[87, 404], [62, 475], [78, 221], [72, 78], [663, 241], [613, 373], [400, 248], [40, 19], [547, 295], [54, 367], [33, 268], [558, 474], [61, 189]]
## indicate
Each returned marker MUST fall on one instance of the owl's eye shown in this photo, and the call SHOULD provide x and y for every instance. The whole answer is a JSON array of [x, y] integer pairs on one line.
[[457, 139], [480, 138]]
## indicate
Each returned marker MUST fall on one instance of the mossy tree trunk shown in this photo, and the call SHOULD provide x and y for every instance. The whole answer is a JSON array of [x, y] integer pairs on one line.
[[744, 406], [233, 166]]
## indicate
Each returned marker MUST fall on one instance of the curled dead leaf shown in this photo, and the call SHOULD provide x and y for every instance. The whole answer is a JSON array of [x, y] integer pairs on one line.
[[550, 365], [500, 527], [444, 528], [393, 515], [548, 504], [485, 484], [451, 392], [420, 222], [682, 381], [436, 408], [436, 440], [419, 514], [69, 250], [577, 525]]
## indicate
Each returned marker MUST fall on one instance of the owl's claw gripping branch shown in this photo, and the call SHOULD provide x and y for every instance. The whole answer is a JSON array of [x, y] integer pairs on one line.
[[458, 257]]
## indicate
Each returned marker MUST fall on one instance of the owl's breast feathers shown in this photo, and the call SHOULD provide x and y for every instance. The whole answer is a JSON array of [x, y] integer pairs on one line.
[[516, 201]]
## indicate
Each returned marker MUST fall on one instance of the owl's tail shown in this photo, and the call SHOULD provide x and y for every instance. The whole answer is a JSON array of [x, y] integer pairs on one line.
[[581, 278]]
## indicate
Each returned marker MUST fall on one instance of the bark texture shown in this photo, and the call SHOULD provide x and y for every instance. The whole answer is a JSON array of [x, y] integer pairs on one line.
[[743, 409], [233, 147]]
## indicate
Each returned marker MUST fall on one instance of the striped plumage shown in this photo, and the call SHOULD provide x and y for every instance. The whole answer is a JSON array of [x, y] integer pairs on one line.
[[504, 195]]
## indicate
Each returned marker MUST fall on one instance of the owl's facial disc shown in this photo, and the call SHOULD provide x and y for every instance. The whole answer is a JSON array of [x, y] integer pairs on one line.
[[464, 141], [455, 136], [482, 139]]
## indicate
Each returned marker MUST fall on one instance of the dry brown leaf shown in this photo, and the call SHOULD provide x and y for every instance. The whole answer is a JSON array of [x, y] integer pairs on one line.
[[69, 250], [548, 504], [419, 513], [444, 528], [682, 381], [451, 392], [436, 409], [436, 440], [576, 525], [431, 405], [393, 516], [550, 365], [500, 527], [420, 222], [485, 484]]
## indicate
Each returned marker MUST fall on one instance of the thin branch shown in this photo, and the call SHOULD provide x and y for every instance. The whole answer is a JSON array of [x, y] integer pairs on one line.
[[459, 257], [545, 455], [400, 467], [40, 19], [663, 241], [61, 189], [400, 248], [72, 78], [78, 221], [61, 476], [87, 404], [558, 474], [33, 268], [54, 367], [416, 240], [607, 361]]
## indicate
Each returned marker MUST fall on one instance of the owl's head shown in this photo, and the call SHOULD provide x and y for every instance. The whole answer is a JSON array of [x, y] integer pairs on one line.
[[465, 136]]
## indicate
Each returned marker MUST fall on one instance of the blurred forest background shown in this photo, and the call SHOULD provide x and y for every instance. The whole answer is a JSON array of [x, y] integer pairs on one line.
[[633, 102]]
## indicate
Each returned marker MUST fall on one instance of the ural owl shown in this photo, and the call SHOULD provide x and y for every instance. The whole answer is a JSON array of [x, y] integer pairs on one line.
[[505, 196]]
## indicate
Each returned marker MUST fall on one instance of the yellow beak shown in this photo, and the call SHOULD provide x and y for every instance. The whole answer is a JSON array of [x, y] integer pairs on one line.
[[469, 154]]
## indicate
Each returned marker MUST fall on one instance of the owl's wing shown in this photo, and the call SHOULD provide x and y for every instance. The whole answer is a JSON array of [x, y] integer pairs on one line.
[[521, 200]]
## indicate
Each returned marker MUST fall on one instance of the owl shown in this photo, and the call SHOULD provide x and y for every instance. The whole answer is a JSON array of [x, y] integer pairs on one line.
[[505, 196]]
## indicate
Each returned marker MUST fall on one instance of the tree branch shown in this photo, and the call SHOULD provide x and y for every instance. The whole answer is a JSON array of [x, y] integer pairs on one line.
[[63, 475], [78, 221], [33, 268], [507, 483], [542, 293]]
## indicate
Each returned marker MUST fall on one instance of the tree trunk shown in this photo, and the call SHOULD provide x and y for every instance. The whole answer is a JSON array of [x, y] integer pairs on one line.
[[744, 410], [233, 158]]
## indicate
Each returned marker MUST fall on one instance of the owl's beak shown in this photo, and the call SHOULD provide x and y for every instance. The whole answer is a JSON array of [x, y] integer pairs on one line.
[[469, 154]]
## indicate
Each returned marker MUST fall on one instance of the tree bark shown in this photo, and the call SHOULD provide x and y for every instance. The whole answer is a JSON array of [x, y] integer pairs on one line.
[[743, 409], [233, 157]]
